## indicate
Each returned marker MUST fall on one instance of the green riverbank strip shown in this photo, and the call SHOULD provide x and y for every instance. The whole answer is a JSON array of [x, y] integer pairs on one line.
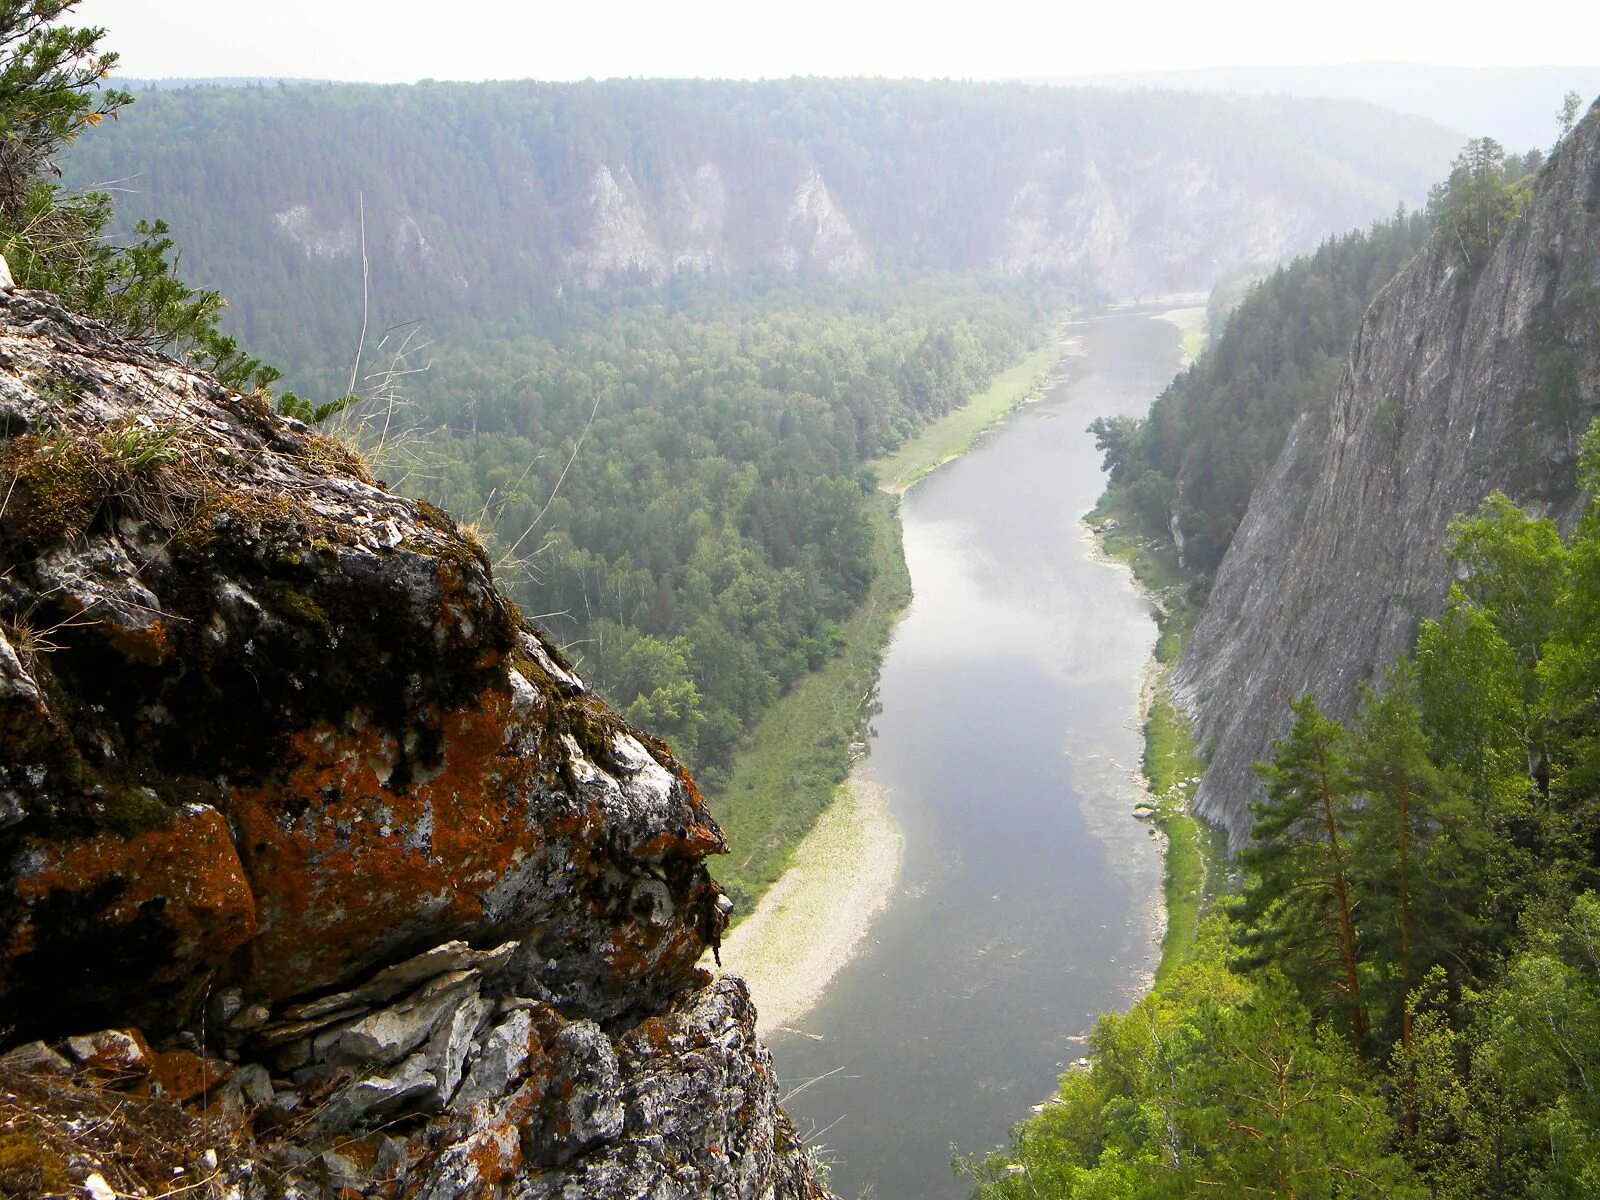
[[1191, 323], [952, 435], [792, 765], [1194, 866]]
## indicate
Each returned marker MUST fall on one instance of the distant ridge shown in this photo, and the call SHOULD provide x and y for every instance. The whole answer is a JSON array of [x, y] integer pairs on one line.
[[500, 201], [178, 85], [1515, 105]]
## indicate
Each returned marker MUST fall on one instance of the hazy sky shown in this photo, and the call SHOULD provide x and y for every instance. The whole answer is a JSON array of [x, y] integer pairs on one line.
[[396, 40]]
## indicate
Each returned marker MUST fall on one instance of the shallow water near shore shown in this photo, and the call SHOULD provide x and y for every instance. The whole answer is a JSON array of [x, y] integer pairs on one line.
[[1028, 896]]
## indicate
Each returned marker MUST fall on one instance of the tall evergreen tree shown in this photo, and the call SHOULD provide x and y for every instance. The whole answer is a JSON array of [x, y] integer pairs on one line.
[[1301, 910], [1421, 853]]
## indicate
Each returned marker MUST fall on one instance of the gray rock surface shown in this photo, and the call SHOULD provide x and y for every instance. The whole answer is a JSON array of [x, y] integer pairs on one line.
[[1343, 549]]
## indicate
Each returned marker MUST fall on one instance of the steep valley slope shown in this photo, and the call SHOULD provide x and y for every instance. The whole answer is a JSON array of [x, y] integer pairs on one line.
[[482, 206], [1463, 379]]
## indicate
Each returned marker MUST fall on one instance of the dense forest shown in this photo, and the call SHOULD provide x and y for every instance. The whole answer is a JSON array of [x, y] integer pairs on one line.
[[680, 497], [1183, 476], [484, 208], [1403, 1000]]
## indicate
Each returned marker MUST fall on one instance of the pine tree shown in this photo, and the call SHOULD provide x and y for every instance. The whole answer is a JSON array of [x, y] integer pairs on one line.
[[52, 88], [1477, 203], [51, 78], [1398, 781], [1422, 855], [1300, 911]]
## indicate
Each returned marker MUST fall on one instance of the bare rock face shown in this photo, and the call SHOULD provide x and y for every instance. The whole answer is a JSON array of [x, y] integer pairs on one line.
[[819, 235], [288, 787], [1160, 223], [1461, 381]]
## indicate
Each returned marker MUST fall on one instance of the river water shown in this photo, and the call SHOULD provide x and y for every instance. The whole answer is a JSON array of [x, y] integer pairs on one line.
[[1028, 896]]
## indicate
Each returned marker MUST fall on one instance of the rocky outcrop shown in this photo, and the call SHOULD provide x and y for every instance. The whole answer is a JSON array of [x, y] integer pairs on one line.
[[1160, 223], [1462, 380], [618, 243], [629, 238], [819, 235], [326, 840]]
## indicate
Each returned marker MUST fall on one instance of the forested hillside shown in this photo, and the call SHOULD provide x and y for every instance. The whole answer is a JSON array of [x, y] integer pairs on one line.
[[680, 497], [486, 205]]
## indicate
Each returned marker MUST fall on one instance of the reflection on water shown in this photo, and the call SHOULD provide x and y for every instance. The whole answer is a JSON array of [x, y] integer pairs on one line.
[[1006, 737]]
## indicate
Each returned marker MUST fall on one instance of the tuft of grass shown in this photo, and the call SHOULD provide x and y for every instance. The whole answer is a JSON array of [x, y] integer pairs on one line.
[[28, 1168], [952, 435], [136, 447], [51, 486], [792, 763]]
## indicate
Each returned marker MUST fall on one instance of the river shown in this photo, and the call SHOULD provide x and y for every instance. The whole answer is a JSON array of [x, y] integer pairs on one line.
[[1028, 896]]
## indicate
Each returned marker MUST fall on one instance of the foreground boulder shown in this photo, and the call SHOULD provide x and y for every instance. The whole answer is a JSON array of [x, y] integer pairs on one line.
[[288, 787]]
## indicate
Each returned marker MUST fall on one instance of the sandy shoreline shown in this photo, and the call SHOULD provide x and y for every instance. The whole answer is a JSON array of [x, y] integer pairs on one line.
[[814, 919]]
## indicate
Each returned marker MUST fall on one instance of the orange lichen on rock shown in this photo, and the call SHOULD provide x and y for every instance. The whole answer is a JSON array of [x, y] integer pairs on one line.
[[496, 1152], [636, 950], [189, 867], [116, 1052], [182, 1075], [348, 864], [149, 646], [180, 885]]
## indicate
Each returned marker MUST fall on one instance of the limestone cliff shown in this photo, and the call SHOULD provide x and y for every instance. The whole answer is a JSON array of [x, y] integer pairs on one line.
[[1461, 381], [310, 841], [631, 237]]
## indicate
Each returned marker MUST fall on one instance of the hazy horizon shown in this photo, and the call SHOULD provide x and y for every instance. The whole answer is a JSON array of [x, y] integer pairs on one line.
[[403, 41]]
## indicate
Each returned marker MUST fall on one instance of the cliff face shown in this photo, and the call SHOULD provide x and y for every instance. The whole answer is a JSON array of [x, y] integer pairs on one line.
[[691, 228], [1157, 222], [310, 830], [1460, 381]]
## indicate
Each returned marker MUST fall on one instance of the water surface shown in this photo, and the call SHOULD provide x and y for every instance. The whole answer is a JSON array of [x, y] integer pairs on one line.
[[1006, 739]]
